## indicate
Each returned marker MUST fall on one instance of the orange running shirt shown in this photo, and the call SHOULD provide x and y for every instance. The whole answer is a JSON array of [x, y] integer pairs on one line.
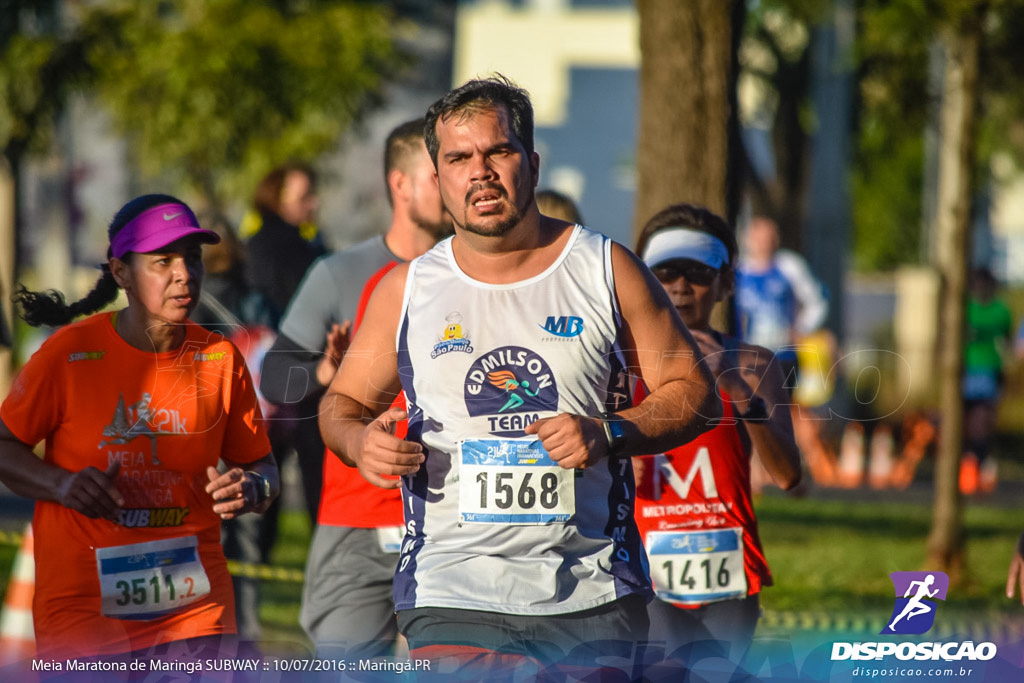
[[159, 574]]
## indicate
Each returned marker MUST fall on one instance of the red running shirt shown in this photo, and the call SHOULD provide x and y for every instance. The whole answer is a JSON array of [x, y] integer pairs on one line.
[[346, 498], [695, 514]]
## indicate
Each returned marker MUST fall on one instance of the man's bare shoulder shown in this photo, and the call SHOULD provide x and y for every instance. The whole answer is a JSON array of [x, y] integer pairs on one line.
[[622, 255], [392, 286], [630, 272]]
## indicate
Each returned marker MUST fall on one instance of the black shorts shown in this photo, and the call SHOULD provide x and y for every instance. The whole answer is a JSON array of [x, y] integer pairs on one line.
[[721, 629], [576, 638]]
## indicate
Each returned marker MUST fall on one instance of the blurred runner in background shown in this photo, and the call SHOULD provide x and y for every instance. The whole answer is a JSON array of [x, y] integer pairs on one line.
[[347, 607], [988, 338]]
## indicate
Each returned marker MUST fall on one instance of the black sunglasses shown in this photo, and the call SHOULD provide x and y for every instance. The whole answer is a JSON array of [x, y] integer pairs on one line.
[[694, 272]]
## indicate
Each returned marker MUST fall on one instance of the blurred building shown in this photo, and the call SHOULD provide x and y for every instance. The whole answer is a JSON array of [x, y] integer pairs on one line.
[[579, 60], [1006, 242]]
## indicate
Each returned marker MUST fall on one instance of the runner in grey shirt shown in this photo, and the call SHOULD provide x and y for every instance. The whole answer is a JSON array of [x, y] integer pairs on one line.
[[326, 301], [347, 605]]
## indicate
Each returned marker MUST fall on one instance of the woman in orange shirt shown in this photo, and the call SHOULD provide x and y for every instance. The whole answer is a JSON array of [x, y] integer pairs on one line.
[[136, 408]]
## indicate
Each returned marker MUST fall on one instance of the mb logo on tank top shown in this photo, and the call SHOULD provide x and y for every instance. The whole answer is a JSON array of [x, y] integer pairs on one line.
[[564, 326]]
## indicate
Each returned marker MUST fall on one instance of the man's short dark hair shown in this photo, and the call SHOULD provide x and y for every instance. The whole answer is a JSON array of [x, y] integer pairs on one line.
[[402, 142], [479, 94]]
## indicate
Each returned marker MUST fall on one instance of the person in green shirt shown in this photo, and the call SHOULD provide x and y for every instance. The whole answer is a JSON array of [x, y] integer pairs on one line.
[[988, 334]]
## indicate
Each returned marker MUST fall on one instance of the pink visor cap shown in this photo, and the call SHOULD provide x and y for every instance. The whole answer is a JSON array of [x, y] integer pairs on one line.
[[157, 227]]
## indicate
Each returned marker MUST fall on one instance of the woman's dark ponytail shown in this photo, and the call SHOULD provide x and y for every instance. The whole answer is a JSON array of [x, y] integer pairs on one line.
[[49, 308]]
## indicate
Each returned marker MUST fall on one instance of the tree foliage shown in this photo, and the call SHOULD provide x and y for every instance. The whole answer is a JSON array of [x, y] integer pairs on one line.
[[39, 63], [895, 101], [776, 64], [893, 42], [212, 93], [1001, 128]]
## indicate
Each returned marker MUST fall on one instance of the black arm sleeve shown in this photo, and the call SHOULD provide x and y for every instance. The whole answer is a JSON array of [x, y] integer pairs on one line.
[[288, 374]]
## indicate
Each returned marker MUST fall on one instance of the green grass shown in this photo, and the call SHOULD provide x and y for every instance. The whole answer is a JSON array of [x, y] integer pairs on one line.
[[7, 553], [280, 600], [835, 557], [827, 556]]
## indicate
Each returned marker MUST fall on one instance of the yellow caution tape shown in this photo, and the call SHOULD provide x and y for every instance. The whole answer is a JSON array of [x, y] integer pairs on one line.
[[994, 628], [265, 572], [11, 538]]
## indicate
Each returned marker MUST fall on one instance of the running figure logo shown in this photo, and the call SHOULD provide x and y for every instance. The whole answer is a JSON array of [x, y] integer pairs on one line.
[[507, 380], [510, 387], [124, 429], [914, 613]]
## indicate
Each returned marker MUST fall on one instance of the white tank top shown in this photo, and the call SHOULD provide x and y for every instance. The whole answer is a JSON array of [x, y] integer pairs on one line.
[[492, 523]]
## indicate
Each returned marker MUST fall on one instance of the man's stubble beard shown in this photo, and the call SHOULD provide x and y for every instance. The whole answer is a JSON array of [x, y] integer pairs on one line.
[[503, 226]]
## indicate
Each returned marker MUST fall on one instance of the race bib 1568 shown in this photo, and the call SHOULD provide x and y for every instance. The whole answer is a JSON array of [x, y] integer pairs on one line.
[[513, 481]]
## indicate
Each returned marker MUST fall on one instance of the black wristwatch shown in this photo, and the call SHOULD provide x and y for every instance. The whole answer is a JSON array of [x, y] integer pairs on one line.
[[756, 411], [262, 487], [614, 433]]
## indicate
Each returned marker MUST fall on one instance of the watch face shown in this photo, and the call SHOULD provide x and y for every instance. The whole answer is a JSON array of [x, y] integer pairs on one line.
[[616, 436], [262, 487]]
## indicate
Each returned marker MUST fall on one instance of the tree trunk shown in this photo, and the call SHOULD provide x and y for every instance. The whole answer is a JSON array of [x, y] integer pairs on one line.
[[688, 131], [952, 228], [8, 251]]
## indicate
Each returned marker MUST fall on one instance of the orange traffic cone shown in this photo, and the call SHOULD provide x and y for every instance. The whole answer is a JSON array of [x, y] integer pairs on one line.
[[880, 459], [968, 474], [918, 433], [988, 475], [851, 456], [17, 637]]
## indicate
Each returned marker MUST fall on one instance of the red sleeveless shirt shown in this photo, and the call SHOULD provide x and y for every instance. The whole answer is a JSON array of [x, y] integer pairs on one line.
[[695, 513]]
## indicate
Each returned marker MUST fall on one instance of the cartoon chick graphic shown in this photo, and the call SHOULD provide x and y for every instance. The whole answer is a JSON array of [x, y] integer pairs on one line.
[[454, 328]]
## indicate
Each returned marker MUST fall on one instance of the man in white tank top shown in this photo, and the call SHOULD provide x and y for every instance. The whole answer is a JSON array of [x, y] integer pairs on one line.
[[514, 342]]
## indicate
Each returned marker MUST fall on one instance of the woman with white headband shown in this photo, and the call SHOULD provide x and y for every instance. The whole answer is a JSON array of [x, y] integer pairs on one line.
[[694, 504], [136, 408]]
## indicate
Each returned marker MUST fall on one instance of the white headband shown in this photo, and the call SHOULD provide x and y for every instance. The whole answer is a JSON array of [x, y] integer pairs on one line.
[[671, 244]]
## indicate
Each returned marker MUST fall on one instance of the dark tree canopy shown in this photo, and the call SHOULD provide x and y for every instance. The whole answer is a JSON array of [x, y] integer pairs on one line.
[[218, 91]]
